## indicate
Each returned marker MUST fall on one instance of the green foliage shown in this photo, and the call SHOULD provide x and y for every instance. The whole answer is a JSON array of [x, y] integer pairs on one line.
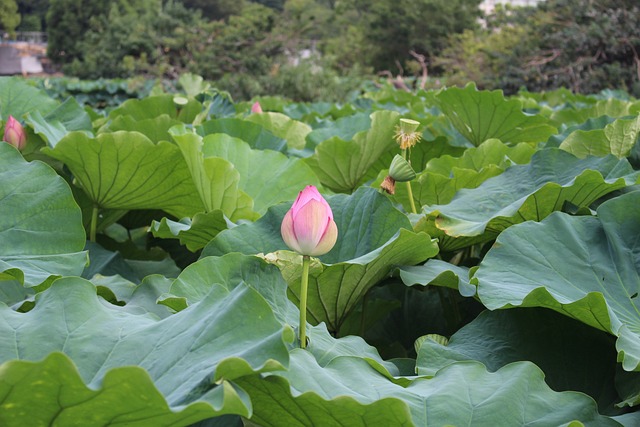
[[579, 44], [9, 16], [510, 297]]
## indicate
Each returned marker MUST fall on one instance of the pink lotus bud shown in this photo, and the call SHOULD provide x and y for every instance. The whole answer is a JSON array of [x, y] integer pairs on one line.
[[308, 228], [14, 134], [256, 108]]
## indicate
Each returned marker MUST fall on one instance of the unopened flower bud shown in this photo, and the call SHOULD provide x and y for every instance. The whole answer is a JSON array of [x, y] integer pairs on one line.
[[14, 134], [308, 227], [256, 108]]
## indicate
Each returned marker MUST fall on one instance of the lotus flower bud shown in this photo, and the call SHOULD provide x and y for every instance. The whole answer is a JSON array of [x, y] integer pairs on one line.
[[308, 228], [14, 134], [256, 108]]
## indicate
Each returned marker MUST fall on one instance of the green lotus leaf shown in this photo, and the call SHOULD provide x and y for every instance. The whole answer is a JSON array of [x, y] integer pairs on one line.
[[154, 106], [439, 273], [562, 347], [194, 232], [344, 128], [125, 396], [617, 138], [460, 394], [292, 131], [18, 98], [156, 128], [580, 112], [532, 192], [35, 201], [267, 176], [373, 237], [190, 356], [216, 179], [68, 116], [230, 271], [343, 165], [583, 267], [482, 115], [252, 133], [125, 170], [588, 125], [192, 84]]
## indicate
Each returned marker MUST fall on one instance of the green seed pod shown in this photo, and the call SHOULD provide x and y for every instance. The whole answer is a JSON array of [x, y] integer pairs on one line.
[[408, 126], [400, 169]]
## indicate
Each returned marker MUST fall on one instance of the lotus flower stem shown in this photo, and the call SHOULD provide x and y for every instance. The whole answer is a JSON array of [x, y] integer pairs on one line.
[[94, 224], [306, 259], [408, 183]]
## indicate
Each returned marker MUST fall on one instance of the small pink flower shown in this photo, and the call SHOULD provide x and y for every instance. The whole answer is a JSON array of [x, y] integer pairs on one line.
[[308, 228], [256, 108], [14, 134]]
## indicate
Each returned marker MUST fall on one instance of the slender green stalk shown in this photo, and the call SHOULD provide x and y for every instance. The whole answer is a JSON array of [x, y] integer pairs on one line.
[[409, 190], [303, 300], [94, 224]]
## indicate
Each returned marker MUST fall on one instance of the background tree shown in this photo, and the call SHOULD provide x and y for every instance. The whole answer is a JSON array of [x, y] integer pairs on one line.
[[584, 45], [216, 9], [9, 17], [34, 13]]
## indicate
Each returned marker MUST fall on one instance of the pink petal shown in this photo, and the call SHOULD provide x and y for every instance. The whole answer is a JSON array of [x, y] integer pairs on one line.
[[256, 108], [309, 225], [310, 193], [328, 240], [288, 233]]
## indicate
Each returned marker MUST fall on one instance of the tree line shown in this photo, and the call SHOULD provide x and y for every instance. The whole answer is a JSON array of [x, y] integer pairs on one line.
[[322, 48]]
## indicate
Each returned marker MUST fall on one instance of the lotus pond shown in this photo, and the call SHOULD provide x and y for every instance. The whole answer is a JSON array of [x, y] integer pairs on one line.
[[144, 280]]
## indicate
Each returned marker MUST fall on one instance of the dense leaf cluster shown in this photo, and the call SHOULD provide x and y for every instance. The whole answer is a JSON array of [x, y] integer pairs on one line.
[[144, 279]]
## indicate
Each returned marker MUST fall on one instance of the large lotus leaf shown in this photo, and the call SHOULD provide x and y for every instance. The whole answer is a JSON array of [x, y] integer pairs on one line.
[[462, 394], [35, 201], [572, 355], [18, 98], [156, 128], [439, 273], [253, 134], [230, 271], [190, 356], [125, 170], [267, 176], [216, 179], [482, 115], [68, 116], [194, 232], [584, 267], [368, 247], [617, 138], [154, 106], [344, 128], [292, 131], [581, 113], [532, 192], [235, 269], [125, 396], [342, 165], [590, 124]]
